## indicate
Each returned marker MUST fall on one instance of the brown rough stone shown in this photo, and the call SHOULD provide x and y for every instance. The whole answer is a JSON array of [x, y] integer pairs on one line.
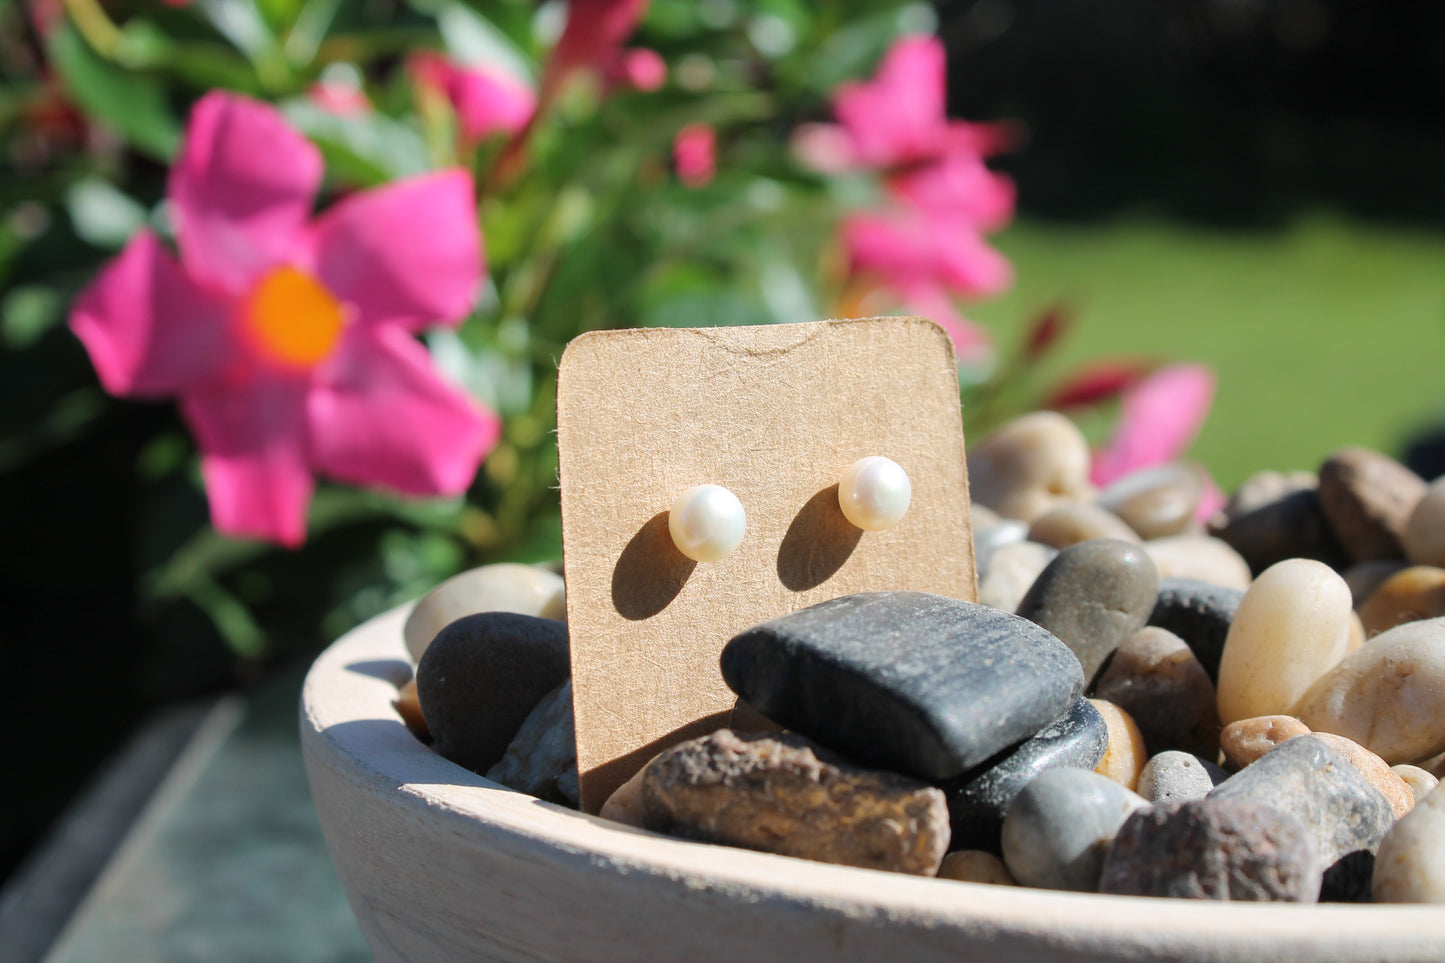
[[1156, 678], [1367, 498], [1226, 849], [779, 793], [1409, 595], [1246, 740]]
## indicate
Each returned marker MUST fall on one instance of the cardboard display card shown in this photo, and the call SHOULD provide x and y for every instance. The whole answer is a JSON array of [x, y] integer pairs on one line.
[[773, 413]]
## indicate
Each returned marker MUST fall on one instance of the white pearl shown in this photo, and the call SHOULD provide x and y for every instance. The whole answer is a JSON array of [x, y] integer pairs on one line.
[[874, 493], [707, 523]]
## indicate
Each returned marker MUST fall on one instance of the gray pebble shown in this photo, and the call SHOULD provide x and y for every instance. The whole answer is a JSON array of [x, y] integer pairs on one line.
[[480, 678], [978, 800], [1200, 613], [917, 683], [1226, 849], [989, 538], [1094, 596], [1175, 776], [1157, 501], [1272, 517], [1157, 679], [542, 758], [1060, 826], [1312, 782]]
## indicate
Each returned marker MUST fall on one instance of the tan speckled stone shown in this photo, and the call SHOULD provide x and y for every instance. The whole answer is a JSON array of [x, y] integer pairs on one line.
[[1389, 696], [1409, 595], [1203, 557], [1070, 524], [976, 866], [1410, 864], [1420, 782], [1245, 740], [1375, 770], [1292, 627], [1125, 756], [1029, 465]]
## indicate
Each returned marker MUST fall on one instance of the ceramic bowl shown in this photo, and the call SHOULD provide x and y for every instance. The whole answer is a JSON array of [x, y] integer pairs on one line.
[[440, 864]]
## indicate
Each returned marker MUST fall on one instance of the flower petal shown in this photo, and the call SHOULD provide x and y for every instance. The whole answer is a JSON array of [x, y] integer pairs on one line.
[[694, 154], [380, 414], [252, 437], [970, 341], [149, 330], [486, 101], [898, 116], [908, 247], [410, 251], [960, 185], [1158, 420], [241, 190]]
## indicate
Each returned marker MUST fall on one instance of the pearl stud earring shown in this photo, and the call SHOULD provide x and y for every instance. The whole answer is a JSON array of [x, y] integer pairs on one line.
[[707, 523], [874, 492]]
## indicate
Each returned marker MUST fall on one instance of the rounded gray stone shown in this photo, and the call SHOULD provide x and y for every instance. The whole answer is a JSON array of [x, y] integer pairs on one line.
[[1060, 827], [1175, 776], [1093, 596], [541, 759], [1156, 678], [480, 678], [1226, 849], [1157, 501], [1310, 781], [917, 683]]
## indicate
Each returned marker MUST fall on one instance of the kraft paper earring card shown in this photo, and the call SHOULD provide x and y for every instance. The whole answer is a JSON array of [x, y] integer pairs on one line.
[[773, 414]]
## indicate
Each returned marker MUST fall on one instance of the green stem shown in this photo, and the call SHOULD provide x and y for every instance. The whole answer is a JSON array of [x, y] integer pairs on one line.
[[98, 30]]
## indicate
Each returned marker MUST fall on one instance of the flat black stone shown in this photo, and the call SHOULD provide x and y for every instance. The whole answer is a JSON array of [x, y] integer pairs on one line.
[[916, 683], [1200, 613], [979, 799]]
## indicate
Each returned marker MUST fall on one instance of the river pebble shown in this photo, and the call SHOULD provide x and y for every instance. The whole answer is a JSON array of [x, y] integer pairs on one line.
[[1200, 613], [1272, 517], [1029, 465], [1389, 696], [1291, 628], [1200, 557], [1375, 770], [1159, 682], [504, 587], [1156, 501], [1409, 595], [1011, 572], [1093, 596], [1424, 539], [1364, 577], [1419, 780], [1071, 524], [482, 676], [1215, 848], [1244, 740], [779, 793], [917, 683], [1059, 828], [1125, 755], [1410, 865], [1174, 776], [1367, 498], [976, 866], [541, 759], [979, 800], [1310, 781]]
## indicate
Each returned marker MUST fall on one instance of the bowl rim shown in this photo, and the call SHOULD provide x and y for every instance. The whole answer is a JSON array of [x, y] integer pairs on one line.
[[348, 717]]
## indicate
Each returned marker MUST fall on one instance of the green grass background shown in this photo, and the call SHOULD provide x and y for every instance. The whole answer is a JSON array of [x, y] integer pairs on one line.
[[1326, 333]]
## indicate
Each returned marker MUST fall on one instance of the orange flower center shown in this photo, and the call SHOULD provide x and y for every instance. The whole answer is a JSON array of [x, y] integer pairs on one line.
[[295, 320]]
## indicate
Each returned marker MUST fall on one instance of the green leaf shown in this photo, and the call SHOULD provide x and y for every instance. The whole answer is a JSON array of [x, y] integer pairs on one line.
[[473, 39], [27, 313], [312, 23], [242, 23], [101, 214], [133, 105], [366, 149]]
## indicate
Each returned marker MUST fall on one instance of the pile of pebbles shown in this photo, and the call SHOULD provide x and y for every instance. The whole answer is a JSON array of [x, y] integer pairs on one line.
[[1251, 708]]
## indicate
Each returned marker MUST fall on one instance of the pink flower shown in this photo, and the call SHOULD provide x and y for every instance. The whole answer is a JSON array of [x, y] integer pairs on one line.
[[959, 185], [638, 68], [289, 342], [486, 102], [594, 31], [1158, 420], [694, 153]]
